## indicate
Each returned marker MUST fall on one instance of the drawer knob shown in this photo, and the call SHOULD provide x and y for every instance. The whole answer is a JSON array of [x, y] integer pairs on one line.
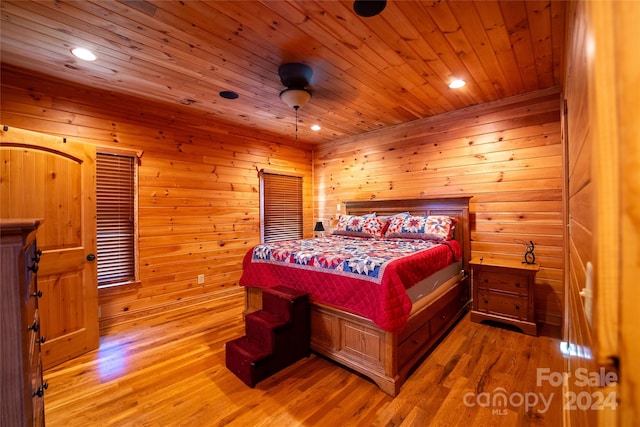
[[486, 301], [37, 294], [35, 327], [517, 307], [41, 389], [517, 284], [486, 280]]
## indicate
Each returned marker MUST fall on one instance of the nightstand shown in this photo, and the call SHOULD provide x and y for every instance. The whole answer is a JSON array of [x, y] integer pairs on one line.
[[503, 291]]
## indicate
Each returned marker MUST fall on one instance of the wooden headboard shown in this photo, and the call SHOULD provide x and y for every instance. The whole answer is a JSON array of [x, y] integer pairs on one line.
[[455, 207]]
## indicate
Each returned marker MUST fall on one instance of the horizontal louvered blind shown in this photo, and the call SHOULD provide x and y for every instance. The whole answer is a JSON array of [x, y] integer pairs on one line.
[[281, 207], [115, 202]]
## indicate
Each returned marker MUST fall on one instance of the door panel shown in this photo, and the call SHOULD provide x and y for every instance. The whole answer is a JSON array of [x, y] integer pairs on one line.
[[46, 177]]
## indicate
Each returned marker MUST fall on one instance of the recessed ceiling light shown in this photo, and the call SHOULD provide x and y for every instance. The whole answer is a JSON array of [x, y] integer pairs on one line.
[[369, 8], [228, 94], [84, 54], [315, 127], [457, 84]]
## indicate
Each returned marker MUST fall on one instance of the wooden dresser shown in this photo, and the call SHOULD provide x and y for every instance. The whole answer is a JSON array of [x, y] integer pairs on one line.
[[22, 402], [503, 291]]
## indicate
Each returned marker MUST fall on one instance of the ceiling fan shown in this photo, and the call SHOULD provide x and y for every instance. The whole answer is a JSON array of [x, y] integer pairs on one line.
[[295, 76]]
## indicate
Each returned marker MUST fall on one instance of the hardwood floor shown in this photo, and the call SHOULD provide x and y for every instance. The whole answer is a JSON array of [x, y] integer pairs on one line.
[[170, 371]]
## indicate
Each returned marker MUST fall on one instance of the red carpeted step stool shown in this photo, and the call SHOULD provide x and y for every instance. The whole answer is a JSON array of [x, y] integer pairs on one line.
[[276, 336]]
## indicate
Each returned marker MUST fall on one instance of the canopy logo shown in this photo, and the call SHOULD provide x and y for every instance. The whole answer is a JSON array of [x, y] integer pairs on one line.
[[500, 401]]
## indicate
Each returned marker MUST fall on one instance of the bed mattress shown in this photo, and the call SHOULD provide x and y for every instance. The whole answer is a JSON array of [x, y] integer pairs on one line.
[[430, 285]]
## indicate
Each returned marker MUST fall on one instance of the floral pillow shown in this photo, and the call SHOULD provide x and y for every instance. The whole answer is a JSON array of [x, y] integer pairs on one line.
[[432, 227], [387, 220], [359, 226]]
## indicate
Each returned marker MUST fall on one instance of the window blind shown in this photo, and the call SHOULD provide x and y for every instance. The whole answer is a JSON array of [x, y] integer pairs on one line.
[[281, 207], [115, 204]]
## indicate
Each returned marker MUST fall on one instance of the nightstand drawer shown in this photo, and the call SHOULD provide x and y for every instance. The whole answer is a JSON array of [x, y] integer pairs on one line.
[[506, 282], [503, 304]]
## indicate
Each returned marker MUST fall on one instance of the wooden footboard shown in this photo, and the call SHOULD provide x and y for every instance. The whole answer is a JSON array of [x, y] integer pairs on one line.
[[359, 344]]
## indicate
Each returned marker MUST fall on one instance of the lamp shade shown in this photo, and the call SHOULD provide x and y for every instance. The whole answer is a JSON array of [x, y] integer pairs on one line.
[[295, 98], [319, 226]]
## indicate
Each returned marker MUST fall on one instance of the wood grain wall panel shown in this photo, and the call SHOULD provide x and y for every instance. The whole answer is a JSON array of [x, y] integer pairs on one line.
[[587, 123], [612, 70], [198, 185], [507, 154], [627, 74]]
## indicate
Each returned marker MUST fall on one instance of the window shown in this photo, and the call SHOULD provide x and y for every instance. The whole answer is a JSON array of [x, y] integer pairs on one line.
[[280, 207], [116, 213]]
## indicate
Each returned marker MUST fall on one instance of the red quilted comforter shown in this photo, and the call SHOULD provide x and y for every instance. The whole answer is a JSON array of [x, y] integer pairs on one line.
[[368, 277]]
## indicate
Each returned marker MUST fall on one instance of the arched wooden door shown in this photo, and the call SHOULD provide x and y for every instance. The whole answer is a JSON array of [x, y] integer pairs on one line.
[[46, 177]]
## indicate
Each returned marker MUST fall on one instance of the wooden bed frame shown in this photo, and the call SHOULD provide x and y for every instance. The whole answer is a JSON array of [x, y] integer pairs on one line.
[[362, 346]]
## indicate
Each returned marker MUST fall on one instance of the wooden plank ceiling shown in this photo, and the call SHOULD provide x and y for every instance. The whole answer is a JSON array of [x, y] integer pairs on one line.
[[368, 73]]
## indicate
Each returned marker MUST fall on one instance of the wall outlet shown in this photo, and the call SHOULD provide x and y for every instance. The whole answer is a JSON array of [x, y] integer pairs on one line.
[[200, 279]]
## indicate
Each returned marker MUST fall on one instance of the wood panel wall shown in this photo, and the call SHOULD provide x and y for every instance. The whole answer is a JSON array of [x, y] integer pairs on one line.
[[198, 185], [580, 197], [603, 198], [506, 154], [626, 18]]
